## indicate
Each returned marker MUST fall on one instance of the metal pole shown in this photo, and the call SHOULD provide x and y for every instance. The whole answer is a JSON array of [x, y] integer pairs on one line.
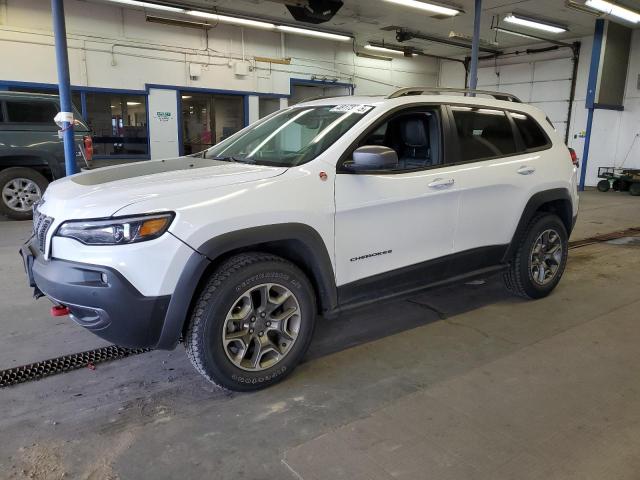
[[64, 83], [590, 102], [475, 46]]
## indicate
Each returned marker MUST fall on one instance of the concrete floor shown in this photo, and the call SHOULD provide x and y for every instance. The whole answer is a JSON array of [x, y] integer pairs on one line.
[[463, 382]]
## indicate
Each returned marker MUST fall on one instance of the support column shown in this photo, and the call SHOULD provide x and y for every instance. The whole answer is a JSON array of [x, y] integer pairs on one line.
[[64, 82], [475, 46], [590, 102]]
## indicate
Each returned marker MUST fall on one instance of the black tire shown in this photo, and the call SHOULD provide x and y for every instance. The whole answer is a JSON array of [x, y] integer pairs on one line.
[[634, 189], [519, 277], [603, 185], [204, 336], [7, 177]]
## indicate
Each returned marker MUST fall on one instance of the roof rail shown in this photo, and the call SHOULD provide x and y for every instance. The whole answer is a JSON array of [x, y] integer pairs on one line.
[[467, 92]]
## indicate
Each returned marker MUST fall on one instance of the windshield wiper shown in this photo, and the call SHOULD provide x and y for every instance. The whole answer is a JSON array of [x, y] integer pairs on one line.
[[230, 158]]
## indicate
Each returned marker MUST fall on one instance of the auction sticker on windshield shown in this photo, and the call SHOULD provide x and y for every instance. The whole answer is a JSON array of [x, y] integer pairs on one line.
[[360, 109]]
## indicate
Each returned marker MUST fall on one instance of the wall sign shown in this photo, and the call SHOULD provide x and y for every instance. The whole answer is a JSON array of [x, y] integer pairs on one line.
[[163, 116]]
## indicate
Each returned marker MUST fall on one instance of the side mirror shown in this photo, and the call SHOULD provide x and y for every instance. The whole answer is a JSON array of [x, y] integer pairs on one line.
[[374, 157]]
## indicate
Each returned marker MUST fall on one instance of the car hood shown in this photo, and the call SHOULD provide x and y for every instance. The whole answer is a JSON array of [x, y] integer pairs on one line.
[[104, 191]]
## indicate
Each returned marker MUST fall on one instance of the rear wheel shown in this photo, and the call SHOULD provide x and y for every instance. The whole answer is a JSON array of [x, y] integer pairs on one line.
[[603, 185], [20, 189], [252, 323], [540, 258]]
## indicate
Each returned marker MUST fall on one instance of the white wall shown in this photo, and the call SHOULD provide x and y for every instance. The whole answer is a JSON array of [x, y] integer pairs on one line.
[[115, 47], [613, 132]]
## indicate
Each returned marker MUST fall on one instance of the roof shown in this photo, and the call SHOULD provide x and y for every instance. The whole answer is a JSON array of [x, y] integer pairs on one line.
[[426, 98], [28, 95]]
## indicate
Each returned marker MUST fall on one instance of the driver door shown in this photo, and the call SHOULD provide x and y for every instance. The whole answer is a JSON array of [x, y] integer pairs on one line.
[[393, 228]]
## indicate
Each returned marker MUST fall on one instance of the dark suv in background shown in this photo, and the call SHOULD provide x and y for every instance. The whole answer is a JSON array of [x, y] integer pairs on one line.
[[31, 153]]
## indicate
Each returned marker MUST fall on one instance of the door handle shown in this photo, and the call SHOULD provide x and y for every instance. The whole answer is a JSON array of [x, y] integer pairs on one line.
[[442, 183], [526, 170]]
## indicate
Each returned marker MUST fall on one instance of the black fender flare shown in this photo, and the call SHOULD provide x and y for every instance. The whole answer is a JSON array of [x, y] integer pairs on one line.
[[559, 196], [30, 158], [297, 242]]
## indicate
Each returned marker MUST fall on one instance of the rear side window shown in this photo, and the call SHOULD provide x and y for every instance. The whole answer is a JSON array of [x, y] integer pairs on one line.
[[532, 134], [483, 133], [31, 111]]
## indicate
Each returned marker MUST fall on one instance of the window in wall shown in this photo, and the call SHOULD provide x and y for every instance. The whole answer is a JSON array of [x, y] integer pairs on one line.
[[118, 123], [267, 106], [532, 134], [483, 133], [209, 119], [31, 111], [415, 136]]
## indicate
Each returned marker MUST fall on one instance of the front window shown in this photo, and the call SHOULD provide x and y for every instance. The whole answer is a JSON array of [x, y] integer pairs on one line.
[[290, 137]]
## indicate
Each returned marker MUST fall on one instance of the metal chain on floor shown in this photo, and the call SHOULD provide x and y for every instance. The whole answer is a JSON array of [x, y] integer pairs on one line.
[[66, 363]]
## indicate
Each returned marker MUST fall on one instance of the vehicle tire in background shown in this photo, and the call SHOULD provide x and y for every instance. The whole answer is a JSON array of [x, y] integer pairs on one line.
[[603, 185], [20, 188], [634, 189], [252, 322], [540, 258]]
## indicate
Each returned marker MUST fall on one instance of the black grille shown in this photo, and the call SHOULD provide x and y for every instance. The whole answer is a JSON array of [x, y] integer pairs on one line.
[[41, 225]]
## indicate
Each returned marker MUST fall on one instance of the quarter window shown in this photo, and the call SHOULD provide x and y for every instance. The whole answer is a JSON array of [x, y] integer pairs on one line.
[[532, 134], [31, 111], [483, 133]]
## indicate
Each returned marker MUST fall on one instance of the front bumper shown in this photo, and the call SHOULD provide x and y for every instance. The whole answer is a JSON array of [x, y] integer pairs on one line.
[[99, 298]]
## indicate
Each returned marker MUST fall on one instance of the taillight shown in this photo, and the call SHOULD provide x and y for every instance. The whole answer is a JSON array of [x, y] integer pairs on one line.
[[574, 157], [88, 147]]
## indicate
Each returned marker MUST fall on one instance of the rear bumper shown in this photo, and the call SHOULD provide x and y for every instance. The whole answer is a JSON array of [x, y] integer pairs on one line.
[[99, 299]]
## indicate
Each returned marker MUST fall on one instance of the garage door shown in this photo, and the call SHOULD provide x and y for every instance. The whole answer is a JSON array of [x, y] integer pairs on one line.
[[544, 83]]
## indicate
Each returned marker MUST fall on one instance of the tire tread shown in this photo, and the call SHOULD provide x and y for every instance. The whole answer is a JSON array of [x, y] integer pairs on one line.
[[194, 334]]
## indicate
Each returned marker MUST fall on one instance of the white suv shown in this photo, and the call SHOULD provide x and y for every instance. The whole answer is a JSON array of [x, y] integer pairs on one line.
[[318, 208]]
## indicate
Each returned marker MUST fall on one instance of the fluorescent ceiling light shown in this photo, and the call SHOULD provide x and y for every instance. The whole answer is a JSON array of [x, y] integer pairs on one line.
[[233, 20], [386, 50], [531, 23], [133, 104], [427, 7], [313, 33], [512, 32], [615, 10], [136, 3], [186, 97]]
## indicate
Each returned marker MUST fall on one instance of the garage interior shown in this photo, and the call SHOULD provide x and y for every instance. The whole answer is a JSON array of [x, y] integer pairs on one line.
[[459, 382]]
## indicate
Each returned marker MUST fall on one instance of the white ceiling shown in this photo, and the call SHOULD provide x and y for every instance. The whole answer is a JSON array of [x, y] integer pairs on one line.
[[366, 18]]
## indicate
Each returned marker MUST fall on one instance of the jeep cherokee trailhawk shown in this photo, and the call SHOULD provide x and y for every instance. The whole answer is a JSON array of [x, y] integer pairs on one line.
[[315, 209]]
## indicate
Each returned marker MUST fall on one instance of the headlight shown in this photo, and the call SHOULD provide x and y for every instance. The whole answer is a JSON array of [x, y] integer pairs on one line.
[[117, 231]]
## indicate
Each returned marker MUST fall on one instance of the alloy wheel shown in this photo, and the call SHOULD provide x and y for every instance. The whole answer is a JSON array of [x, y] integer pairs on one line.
[[546, 257], [261, 327], [20, 194]]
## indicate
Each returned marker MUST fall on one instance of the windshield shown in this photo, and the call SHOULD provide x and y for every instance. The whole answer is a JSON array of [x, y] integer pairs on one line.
[[290, 137]]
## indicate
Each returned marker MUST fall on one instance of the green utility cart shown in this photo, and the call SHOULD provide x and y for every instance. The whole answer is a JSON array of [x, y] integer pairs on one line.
[[619, 179]]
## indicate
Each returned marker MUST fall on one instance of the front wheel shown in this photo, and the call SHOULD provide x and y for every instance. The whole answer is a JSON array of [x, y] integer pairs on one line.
[[20, 189], [252, 322], [540, 258], [603, 185]]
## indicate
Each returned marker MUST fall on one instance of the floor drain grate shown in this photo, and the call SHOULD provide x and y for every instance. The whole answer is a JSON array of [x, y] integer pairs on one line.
[[629, 232], [66, 363]]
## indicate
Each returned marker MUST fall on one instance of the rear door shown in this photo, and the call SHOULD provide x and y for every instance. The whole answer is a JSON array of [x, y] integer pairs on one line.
[[496, 174]]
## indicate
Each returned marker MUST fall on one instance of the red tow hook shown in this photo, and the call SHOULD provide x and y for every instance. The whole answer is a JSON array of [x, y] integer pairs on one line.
[[59, 311]]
